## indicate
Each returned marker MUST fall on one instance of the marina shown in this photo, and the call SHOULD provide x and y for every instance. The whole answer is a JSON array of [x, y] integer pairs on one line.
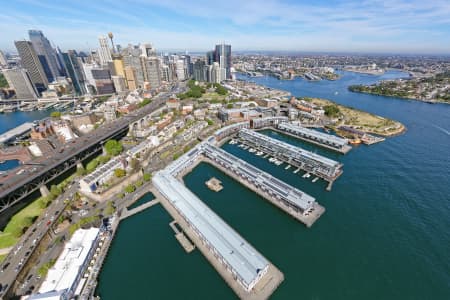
[[318, 165]]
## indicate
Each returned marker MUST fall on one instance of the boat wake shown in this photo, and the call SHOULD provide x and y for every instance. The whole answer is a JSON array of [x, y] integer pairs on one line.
[[442, 129]]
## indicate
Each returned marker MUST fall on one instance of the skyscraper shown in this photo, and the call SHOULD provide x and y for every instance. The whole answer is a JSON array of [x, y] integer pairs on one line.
[[223, 57], [3, 60], [75, 71], [132, 58], [148, 50], [19, 80], [153, 72], [130, 76], [104, 52], [32, 64], [46, 54]]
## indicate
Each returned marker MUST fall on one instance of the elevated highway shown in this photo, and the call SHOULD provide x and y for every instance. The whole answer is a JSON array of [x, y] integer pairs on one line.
[[17, 187]]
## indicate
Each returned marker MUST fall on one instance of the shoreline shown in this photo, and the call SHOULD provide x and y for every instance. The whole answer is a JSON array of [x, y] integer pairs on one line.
[[401, 98]]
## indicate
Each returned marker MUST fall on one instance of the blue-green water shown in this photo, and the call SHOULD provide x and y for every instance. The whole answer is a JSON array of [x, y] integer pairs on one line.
[[9, 164], [11, 120], [146, 198], [384, 234]]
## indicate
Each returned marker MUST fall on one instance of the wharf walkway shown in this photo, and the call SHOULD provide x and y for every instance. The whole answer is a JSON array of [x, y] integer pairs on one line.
[[129, 212], [343, 150], [262, 290], [182, 239]]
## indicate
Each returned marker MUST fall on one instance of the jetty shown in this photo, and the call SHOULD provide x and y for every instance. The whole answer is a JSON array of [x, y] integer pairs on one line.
[[129, 212]]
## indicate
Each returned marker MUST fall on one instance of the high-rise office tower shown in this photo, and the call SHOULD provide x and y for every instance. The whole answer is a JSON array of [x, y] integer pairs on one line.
[[75, 71], [130, 76], [152, 71], [147, 50], [3, 60], [103, 81], [118, 65], [223, 57], [104, 52], [119, 83], [179, 65], [30, 61], [132, 58], [89, 79], [210, 56], [46, 54], [199, 70], [19, 80]]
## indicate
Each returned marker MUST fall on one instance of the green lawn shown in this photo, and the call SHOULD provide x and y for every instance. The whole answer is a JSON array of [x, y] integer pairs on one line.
[[19, 221], [2, 257], [24, 218]]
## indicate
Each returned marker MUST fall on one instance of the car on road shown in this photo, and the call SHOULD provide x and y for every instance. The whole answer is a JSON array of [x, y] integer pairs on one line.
[[5, 266], [49, 222]]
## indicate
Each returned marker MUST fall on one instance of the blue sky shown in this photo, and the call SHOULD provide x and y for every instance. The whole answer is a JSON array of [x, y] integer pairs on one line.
[[400, 26]]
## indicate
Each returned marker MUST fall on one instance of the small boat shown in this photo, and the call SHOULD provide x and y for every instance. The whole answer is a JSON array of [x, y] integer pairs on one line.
[[287, 168], [315, 179], [296, 171]]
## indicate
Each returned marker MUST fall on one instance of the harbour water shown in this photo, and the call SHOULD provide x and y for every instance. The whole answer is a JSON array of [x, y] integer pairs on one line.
[[11, 120], [384, 234]]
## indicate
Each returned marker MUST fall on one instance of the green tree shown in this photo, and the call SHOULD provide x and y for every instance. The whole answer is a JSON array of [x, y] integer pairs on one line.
[[221, 90], [147, 177], [119, 173], [3, 82], [230, 105], [331, 110], [113, 147], [129, 188]]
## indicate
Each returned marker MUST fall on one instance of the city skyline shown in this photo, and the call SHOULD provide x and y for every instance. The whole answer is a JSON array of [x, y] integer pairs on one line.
[[326, 26]]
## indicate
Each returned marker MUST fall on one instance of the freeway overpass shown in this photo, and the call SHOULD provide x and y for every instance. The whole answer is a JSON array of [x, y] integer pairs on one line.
[[19, 186]]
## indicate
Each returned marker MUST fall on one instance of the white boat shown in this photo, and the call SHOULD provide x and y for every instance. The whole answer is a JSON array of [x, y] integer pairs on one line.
[[251, 150], [308, 175], [296, 171], [271, 159], [288, 167], [315, 179], [259, 153]]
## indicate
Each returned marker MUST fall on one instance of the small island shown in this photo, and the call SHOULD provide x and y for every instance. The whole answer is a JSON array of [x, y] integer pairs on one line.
[[214, 184], [434, 89]]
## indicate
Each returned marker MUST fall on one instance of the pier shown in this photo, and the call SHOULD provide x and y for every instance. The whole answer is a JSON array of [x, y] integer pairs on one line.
[[181, 238], [246, 271], [315, 137], [294, 202], [316, 164], [129, 212]]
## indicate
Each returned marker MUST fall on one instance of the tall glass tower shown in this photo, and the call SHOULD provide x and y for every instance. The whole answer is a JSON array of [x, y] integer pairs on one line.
[[46, 54]]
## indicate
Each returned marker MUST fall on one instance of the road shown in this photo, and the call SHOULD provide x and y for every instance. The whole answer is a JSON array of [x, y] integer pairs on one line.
[[22, 251], [14, 181]]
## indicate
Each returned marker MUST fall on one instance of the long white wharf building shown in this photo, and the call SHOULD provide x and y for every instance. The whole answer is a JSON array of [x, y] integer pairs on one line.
[[240, 258], [317, 164]]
